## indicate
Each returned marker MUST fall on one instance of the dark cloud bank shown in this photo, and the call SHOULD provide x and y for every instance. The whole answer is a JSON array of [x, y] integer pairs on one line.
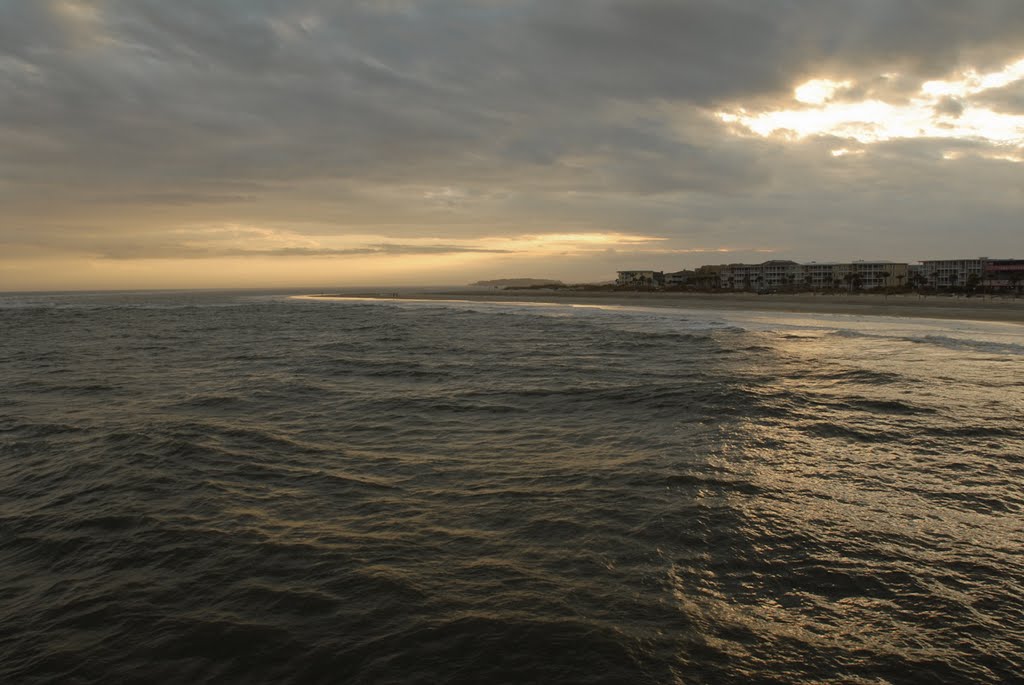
[[455, 119]]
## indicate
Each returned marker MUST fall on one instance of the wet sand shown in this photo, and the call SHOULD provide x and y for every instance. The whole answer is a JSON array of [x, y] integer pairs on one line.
[[1006, 309]]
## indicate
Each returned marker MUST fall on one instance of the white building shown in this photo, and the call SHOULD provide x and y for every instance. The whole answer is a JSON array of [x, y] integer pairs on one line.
[[952, 273], [783, 275], [916, 275], [740, 277], [872, 275], [820, 275]]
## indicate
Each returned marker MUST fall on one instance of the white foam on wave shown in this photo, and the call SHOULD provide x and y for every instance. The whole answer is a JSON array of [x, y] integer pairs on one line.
[[984, 336]]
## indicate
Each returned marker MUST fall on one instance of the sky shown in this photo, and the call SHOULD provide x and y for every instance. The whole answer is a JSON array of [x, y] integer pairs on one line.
[[266, 143]]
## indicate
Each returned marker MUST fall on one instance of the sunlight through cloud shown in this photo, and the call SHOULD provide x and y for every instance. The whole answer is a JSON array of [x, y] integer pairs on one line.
[[819, 91], [940, 109]]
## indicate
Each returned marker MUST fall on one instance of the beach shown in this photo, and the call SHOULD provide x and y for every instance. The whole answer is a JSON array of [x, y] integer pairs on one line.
[[1005, 309]]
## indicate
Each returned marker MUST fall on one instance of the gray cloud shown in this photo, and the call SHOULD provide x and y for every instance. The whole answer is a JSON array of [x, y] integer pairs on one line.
[[143, 115], [1008, 100], [950, 106]]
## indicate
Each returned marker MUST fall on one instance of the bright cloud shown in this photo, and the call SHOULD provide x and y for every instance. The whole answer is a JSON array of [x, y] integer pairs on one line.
[[926, 115], [243, 240], [819, 91], [970, 82]]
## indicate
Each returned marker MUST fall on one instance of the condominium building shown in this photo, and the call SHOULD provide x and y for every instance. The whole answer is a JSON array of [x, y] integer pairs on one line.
[[1003, 273], [821, 275], [708, 276], [678, 279], [952, 273], [781, 274], [871, 275], [740, 277], [786, 275]]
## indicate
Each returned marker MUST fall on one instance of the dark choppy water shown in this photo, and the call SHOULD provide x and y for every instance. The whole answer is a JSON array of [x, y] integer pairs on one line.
[[218, 488]]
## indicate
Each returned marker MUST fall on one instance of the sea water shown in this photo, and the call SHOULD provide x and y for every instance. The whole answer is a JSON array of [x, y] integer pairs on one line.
[[236, 487]]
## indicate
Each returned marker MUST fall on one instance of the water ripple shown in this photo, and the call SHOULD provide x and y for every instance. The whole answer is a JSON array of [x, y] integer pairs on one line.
[[214, 488]]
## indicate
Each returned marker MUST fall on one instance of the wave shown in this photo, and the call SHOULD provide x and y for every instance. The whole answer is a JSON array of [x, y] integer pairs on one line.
[[938, 340], [375, 493], [966, 344]]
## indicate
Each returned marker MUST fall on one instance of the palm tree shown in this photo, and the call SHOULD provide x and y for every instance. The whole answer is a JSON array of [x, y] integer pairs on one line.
[[1015, 278], [854, 279], [990, 278], [899, 280], [882, 282], [916, 281], [972, 283]]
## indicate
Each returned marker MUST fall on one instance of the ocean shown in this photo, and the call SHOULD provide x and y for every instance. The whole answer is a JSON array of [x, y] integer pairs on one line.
[[204, 487]]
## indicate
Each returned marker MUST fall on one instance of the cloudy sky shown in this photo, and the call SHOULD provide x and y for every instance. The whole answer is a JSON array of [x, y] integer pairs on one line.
[[158, 143]]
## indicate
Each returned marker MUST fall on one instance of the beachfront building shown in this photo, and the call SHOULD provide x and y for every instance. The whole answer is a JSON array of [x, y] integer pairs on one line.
[[1005, 274], [740, 277], [783, 275], [864, 275], [640, 279], [780, 275], [820, 276], [771, 275], [678, 279], [915, 275], [953, 273], [707, 277]]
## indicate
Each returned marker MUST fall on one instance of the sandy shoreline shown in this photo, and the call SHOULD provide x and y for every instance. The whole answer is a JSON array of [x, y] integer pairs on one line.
[[937, 307]]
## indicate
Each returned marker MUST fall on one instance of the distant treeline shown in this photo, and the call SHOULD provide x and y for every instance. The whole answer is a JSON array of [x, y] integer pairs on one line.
[[518, 283]]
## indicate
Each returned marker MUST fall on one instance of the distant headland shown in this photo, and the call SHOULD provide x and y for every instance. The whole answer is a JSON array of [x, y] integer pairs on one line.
[[517, 283]]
